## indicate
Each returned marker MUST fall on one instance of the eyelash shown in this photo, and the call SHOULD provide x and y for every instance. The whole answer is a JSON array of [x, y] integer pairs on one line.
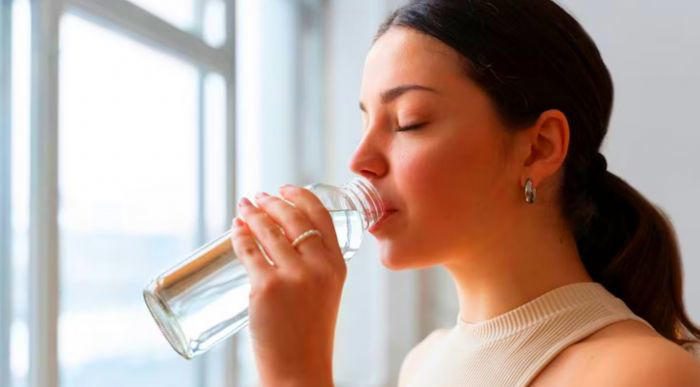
[[409, 127]]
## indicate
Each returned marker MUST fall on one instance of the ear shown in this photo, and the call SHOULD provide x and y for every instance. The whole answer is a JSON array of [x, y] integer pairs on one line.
[[545, 146]]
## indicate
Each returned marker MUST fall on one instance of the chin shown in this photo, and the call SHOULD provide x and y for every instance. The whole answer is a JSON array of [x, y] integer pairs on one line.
[[395, 260], [394, 265]]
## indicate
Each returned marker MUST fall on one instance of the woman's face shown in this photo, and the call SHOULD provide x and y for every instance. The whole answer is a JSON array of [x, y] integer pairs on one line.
[[448, 176]]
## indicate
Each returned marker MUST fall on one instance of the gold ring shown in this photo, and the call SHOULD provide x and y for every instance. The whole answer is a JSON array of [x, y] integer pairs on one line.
[[305, 235]]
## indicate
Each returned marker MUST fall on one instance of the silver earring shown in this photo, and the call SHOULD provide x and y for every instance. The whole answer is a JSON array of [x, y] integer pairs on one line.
[[530, 192]]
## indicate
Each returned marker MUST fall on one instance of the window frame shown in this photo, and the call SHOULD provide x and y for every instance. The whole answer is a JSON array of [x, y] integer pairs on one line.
[[5, 193], [124, 18]]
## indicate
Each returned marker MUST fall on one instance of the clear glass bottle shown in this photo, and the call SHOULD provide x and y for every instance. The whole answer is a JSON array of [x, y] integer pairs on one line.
[[204, 299]]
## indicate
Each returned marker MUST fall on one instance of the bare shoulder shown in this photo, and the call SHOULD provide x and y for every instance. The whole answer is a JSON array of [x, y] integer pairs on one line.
[[416, 355], [626, 353], [653, 361]]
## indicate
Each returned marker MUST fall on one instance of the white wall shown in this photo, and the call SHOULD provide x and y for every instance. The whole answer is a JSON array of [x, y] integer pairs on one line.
[[652, 49]]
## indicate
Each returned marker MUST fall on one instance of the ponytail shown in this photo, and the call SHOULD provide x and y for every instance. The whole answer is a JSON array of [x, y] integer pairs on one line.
[[628, 245]]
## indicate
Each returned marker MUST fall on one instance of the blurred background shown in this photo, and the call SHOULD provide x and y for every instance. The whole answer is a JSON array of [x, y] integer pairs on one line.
[[128, 130]]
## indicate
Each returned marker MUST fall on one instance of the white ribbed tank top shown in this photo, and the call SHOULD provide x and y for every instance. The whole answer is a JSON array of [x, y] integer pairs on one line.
[[512, 348]]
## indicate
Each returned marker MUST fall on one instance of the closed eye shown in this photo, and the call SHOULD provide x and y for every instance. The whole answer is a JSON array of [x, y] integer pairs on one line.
[[409, 127]]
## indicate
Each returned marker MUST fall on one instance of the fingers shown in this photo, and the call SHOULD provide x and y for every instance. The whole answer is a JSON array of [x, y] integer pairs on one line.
[[319, 216], [248, 251], [293, 220], [269, 233]]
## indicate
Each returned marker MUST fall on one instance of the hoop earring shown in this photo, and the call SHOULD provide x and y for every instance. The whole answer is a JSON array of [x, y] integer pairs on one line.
[[530, 192]]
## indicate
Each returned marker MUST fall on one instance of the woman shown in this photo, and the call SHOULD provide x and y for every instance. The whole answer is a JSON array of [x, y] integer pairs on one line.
[[482, 127]]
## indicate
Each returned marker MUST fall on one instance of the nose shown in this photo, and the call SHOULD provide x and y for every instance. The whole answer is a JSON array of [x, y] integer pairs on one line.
[[368, 160]]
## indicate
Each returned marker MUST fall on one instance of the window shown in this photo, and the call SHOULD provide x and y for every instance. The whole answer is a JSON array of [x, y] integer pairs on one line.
[[17, 258], [117, 159], [204, 18], [141, 179], [128, 189]]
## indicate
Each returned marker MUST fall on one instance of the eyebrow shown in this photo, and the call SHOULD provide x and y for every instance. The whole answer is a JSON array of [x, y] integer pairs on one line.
[[393, 93]]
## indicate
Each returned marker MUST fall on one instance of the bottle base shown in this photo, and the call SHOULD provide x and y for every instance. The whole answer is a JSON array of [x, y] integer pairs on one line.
[[167, 323]]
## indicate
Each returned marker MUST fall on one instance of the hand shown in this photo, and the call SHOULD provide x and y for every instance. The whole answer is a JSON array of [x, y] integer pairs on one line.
[[293, 304]]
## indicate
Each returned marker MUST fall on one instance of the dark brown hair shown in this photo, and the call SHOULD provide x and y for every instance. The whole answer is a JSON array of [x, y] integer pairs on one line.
[[530, 56]]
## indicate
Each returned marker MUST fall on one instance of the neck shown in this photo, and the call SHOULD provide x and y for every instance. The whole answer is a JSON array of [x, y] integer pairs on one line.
[[537, 256]]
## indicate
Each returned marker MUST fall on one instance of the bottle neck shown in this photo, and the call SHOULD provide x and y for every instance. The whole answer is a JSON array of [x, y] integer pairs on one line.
[[366, 200]]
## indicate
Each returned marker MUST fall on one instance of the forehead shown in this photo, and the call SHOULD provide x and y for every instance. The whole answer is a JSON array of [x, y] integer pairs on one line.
[[403, 55]]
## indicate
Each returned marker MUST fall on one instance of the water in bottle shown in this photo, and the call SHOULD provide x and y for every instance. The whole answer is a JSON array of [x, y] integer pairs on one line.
[[204, 299]]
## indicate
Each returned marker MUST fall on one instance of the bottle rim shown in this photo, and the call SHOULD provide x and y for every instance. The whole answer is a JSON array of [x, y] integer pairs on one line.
[[372, 199]]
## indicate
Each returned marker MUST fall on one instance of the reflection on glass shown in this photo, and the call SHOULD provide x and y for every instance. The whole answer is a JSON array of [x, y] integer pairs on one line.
[[128, 196]]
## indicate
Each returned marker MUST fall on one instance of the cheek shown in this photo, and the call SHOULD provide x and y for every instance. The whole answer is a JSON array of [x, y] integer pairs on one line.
[[421, 173], [446, 189], [436, 178], [425, 182]]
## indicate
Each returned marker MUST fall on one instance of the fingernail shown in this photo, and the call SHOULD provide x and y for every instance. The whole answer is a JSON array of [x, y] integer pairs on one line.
[[261, 195], [244, 202], [287, 186]]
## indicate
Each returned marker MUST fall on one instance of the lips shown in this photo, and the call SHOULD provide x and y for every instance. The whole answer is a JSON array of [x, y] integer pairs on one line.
[[387, 213], [387, 206]]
